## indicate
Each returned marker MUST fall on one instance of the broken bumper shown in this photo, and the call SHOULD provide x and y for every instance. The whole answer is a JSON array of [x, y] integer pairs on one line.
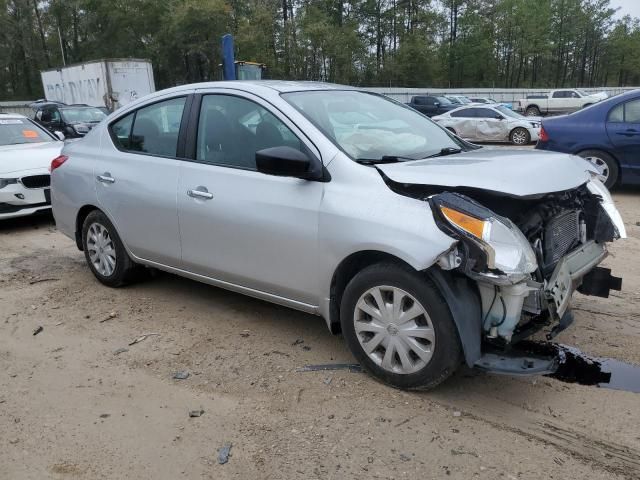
[[568, 274]]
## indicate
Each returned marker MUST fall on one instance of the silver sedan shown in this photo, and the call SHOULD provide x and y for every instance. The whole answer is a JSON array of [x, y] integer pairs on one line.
[[344, 204], [490, 123]]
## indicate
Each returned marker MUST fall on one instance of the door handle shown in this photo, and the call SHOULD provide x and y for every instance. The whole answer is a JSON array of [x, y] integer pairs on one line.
[[106, 178], [200, 194], [629, 132]]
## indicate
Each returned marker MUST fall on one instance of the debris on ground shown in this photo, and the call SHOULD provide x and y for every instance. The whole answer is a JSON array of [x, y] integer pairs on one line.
[[59, 323], [224, 453], [142, 338], [105, 415], [298, 341], [404, 458], [120, 350], [109, 317], [245, 333], [196, 413], [457, 414], [352, 367], [181, 375], [463, 452], [327, 381], [306, 348], [38, 330], [39, 280]]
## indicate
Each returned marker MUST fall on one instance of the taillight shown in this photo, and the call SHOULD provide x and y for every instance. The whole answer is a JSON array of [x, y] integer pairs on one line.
[[57, 162], [543, 136]]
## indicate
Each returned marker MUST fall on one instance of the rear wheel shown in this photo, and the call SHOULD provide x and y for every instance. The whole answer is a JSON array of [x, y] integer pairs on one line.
[[104, 251], [398, 326], [532, 111], [605, 164], [520, 136]]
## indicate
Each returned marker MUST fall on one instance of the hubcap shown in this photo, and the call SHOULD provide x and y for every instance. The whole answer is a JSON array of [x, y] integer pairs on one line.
[[519, 137], [101, 249], [601, 166], [394, 329]]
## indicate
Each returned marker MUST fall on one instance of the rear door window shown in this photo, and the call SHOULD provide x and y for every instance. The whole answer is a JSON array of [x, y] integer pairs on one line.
[[466, 113], [626, 112], [152, 129]]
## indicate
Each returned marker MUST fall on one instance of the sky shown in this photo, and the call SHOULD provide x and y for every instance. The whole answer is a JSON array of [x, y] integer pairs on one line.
[[627, 7]]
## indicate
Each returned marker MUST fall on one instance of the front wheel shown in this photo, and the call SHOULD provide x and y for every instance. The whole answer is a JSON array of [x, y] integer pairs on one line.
[[520, 136], [399, 327], [532, 111]]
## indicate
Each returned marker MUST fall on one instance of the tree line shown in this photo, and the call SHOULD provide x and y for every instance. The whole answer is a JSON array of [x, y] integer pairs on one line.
[[399, 43]]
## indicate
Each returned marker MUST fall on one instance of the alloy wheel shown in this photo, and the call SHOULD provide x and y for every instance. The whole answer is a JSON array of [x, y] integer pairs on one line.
[[519, 137], [394, 329], [101, 249]]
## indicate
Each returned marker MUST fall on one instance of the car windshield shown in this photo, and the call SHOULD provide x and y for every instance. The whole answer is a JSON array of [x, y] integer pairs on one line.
[[82, 115], [16, 131], [370, 126], [509, 113]]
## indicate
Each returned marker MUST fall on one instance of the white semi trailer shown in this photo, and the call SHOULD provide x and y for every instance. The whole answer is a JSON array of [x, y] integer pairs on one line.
[[109, 83]]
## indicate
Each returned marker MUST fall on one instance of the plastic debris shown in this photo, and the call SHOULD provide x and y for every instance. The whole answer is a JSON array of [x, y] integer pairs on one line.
[[224, 453]]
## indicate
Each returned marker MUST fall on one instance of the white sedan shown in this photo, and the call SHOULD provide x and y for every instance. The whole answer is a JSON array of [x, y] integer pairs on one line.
[[26, 151], [490, 123]]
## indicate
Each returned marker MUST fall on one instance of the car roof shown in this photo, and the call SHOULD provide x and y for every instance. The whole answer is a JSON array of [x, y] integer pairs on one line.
[[5, 115]]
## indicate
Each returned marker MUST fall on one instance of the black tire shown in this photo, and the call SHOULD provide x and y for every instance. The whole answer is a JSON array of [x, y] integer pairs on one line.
[[611, 164], [446, 350], [124, 268], [532, 111], [520, 136]]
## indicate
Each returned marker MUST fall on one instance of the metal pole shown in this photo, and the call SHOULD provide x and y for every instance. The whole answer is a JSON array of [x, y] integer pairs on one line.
[[64, 62]]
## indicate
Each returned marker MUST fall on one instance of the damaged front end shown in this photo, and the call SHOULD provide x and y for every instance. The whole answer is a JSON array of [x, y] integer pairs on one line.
[[527, 256]]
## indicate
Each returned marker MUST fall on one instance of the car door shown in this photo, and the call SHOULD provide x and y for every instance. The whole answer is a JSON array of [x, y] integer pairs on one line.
[[136, 175], [240, 226], [560, 102], [464, 123], [490, 125], [623, 130]]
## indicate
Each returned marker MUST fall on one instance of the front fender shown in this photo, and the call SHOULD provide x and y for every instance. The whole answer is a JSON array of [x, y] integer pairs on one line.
[[464, 303]]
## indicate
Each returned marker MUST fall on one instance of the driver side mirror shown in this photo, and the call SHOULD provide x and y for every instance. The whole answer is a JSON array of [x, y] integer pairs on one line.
[[498, 117], [60, 135], [286, 162]]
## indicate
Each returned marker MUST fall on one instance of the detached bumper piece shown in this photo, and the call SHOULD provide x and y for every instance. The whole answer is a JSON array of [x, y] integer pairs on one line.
[[518, 363]]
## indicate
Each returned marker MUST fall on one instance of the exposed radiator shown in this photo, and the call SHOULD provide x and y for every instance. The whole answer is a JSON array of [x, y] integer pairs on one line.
[[561, 235]]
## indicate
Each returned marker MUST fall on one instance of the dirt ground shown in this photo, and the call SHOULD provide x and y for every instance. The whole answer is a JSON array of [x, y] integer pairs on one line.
[[74, 405]]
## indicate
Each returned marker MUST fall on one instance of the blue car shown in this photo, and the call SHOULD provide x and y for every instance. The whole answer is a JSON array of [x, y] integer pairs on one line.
[[607, 134]]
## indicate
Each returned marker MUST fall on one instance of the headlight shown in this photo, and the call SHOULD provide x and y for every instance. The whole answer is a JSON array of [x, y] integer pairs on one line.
[[596, 187], [7, 181], [504, 245]]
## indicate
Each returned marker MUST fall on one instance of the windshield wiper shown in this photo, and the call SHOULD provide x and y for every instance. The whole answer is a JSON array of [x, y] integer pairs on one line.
[[383, 159], [446, 151]]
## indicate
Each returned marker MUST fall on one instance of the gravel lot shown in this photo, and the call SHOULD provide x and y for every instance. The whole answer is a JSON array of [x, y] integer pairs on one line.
[[73, 404]]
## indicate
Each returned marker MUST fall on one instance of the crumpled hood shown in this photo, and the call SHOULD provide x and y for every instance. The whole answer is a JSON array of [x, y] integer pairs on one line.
[[28, 156], [513, 172]]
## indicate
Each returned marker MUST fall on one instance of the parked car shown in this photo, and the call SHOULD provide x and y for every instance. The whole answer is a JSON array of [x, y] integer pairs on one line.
[[557, 101], [431, 105], [26, 150], [487, 100], [460, 99], [74, 121], [490, 123], [422, 249], [606, 134]]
